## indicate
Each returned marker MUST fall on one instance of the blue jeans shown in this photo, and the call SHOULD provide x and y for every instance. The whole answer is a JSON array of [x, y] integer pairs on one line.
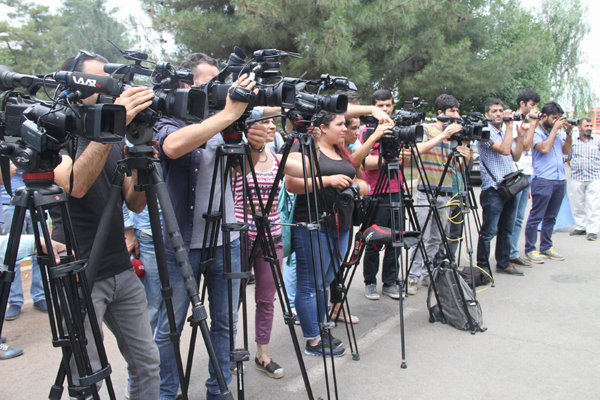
[[151, 280], [546, 198], [306, 293], [289, 279], [498, 218], [219, 317], [521, 200], [16, 288]]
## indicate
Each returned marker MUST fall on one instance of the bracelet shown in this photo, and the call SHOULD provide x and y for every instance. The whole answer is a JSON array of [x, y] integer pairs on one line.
[[259, 150]]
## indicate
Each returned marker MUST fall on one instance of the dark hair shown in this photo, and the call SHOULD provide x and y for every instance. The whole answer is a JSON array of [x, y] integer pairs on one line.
[[381, 95], [493, 102], [353, 95], [192, 61], [350, 120], [83, 57], [582, 120], [444, 102], [552, 108], [526, 95], [327, 119]]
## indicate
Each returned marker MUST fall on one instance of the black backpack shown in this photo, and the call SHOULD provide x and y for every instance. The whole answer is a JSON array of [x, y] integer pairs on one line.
[[448, 284]]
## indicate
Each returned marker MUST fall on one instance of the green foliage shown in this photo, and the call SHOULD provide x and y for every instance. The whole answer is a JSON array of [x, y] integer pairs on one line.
[[474, 49], [37, 41]]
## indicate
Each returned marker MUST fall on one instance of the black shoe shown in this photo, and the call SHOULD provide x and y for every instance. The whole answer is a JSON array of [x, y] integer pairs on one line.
[[577, 232], [2, 339], [521, 262], [510, 270], [317, 350], [592, 236]]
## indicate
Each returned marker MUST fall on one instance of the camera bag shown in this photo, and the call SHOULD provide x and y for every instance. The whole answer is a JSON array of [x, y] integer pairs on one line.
[[447, 283], [511, 184]]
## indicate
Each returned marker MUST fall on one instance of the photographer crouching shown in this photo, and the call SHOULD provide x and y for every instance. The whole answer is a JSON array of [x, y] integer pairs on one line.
[[118, 295]]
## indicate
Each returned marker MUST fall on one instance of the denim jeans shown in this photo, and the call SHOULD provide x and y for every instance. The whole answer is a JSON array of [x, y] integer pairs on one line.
[[16, 289], [389, 268], [546, 199], [307, 289], [521, 198], [219, 317], [151, 280], [289, 279], [498, 218]]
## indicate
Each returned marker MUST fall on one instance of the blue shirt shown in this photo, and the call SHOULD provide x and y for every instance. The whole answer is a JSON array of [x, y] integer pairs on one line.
[[548, 166], [499, 166], [15, 182]]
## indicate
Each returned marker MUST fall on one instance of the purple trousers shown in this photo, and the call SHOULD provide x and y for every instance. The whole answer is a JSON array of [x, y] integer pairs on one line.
[[264, 294]]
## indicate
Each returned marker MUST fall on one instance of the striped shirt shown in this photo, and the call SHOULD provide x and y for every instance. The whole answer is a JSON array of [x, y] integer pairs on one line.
[[498, 164], [435, 160], [585, 159], [266, 182]]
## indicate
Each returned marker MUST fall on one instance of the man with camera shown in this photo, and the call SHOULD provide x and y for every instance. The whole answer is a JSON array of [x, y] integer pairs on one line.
[[527, 101], [435, 151], [585, 181], [497, 158], [549, 182], [189, 155], [118, 295]]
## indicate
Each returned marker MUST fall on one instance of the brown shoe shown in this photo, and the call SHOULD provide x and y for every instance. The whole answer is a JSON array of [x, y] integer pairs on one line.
[[510, 270], [521, 262]]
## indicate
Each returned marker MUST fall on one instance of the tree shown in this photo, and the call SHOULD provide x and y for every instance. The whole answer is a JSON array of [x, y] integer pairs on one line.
[[37, 41]]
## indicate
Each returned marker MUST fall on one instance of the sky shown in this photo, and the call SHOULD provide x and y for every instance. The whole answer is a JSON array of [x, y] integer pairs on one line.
[[591, 45]]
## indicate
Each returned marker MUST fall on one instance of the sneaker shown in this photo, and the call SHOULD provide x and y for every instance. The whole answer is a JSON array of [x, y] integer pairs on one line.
[[412, 286], [519, 261], [391, 291], [9, 352], [41, 306], [552, 254], [577, 232], [12, 312], [592, 236], [336, 342], [273, 370], [535, 257], [425, 281], [317, 350], [371, 292]]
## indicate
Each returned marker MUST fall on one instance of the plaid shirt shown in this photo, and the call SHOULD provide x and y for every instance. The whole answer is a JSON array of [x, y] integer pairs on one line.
[[498, 164], [585, 159]]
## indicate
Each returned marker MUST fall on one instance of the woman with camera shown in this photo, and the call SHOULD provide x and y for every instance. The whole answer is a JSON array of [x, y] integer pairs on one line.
[[338, 174]]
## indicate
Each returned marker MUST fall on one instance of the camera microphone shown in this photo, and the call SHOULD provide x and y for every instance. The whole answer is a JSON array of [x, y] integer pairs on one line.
[[88, 83]]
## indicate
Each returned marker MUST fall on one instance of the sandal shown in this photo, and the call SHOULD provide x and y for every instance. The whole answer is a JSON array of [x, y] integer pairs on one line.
[[341, 317], [273, 369]]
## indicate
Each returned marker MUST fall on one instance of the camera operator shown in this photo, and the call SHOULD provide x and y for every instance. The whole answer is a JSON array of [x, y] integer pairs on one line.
[[549, 182], [383, 101], [188, 176], [585, 181], [498, 216], [527, 101], [118, 295], [338, 174], [435, 151]]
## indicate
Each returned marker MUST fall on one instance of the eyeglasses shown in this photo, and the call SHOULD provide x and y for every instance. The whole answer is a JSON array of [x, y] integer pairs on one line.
[[86, 53]]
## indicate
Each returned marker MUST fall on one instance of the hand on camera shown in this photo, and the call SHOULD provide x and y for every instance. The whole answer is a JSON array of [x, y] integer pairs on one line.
[[466, 152], [381, 116], [316, 132], [257, 135], [337, 181], [381, 129], [508, 113], [135, 99], [451, 130], [562, 123], [237, 108]]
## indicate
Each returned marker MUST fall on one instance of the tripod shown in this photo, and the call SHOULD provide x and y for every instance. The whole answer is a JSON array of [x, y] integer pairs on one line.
[[150, 181], [66, 287]]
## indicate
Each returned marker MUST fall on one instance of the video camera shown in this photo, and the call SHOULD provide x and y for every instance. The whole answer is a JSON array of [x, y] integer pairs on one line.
[[34, 130], [405, 129], [474, 127]]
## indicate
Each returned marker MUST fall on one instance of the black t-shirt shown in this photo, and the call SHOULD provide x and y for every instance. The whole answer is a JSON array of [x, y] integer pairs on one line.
[[334, 210], [85, 215]]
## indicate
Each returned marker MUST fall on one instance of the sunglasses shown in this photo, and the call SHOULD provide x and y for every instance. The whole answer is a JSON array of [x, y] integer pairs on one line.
[[85, 53]]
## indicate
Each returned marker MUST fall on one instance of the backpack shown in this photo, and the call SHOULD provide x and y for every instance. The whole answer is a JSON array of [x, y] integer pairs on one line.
[[447, 282]]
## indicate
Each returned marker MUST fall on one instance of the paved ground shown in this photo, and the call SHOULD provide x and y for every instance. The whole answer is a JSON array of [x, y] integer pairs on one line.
[[542, 342]]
